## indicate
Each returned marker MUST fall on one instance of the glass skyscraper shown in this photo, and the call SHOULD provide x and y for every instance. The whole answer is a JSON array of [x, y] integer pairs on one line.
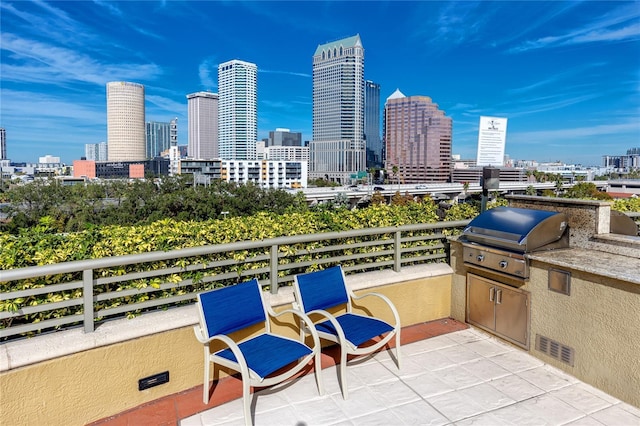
[[158, 138], [237, 111], [417, 137], [375, 158], [337, 150]]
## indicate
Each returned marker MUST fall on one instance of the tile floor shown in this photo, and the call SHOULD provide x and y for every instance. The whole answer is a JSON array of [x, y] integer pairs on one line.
[[462, 378]]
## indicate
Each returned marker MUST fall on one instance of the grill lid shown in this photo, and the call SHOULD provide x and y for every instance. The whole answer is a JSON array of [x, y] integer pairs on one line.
[[521, 230]]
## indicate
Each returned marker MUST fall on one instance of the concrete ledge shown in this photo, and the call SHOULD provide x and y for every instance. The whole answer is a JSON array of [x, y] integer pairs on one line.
[[20, 353]]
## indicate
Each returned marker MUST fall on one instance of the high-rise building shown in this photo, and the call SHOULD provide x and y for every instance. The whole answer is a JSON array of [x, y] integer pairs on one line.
[[338, 150], [284, 137], [173, 132], [3, 144], [417, 138], [96, 151], [125, 121], [375, 156], [158, 138], [202, 110], [237, 114]]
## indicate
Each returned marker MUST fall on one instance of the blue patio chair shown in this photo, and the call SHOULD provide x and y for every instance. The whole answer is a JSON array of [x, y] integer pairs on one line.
[[322, 291], [235, 308]]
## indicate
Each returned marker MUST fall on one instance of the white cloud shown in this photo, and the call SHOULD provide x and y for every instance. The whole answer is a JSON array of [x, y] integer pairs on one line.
[[205, 69], [619, 24], [297, 74], [37, 62], [630, 126]]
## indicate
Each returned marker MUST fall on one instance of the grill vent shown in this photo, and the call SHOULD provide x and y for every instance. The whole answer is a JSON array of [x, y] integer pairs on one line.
[[555, 349]]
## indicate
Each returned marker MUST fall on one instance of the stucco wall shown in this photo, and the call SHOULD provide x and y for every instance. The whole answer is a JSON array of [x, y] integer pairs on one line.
[[600, 320], [99, 380]]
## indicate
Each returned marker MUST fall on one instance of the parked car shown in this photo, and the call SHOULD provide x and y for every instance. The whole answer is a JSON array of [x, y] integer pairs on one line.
[[378, 188]]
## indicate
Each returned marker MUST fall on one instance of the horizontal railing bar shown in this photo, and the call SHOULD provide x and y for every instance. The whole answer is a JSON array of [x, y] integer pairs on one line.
[[44, 307], [144, 305], [422, 248], [53, 288], [42, 325]]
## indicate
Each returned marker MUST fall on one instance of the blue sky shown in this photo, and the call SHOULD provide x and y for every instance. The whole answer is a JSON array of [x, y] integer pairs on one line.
[[565, 74]]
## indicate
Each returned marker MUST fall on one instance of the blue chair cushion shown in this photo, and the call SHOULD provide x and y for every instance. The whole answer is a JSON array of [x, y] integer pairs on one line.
[[232, 308], [267, 353], [322, 289], [357, 328]]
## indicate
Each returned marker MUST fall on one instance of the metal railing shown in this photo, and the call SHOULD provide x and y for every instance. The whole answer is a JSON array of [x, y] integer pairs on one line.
[[88, 292]]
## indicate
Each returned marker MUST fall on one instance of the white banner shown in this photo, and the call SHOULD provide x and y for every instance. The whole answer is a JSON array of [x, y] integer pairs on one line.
[[492, 137]]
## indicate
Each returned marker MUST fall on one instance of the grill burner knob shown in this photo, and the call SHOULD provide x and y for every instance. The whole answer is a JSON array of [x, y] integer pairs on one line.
[[480, 257], [503, 264]]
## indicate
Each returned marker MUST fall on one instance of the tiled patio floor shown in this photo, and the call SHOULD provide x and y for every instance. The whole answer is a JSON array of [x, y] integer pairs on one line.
[[461, 378], [465, 377]]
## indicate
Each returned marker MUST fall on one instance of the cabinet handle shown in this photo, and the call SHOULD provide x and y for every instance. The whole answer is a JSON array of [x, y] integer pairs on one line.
[[492, 293], [498, 297]]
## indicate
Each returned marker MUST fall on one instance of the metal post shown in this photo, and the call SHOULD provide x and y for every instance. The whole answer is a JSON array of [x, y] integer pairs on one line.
[[274, 269], [397, 252], [87, 297]]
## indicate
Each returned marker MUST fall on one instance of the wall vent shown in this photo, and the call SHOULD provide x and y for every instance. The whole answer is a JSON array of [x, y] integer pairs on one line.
[[555, 350]]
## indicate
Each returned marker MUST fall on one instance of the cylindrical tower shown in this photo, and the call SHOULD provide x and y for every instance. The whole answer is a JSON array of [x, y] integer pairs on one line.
[[126, 140]]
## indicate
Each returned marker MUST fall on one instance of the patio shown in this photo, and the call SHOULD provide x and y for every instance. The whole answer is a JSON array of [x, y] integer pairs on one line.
[[462, 377]]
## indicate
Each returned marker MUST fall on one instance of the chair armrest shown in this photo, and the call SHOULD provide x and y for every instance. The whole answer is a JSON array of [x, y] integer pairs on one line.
[[332, 320], [197, 330], [304, 318], [385, 299]]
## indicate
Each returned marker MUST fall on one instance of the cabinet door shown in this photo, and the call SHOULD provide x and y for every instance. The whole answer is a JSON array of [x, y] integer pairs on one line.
[[480, 302], [512, 315]]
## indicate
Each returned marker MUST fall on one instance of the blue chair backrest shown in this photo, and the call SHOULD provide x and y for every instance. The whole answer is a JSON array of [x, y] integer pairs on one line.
[[232, 308], [322, 289]]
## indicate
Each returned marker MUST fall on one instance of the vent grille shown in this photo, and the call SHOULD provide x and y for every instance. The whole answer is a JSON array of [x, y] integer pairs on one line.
[[555, 350]]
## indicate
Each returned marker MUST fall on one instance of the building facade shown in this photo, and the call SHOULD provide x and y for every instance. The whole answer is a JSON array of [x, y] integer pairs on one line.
[[3, 144], [158, 138], [202, 116], [96, 151], [375, 155], [624, 163], [284, 137], [338, 150], [237, 112], [417, 137], [125, 121], [264, 173], [120, 169]]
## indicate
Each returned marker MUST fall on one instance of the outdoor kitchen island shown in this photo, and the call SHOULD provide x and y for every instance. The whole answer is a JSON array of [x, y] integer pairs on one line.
[[580, 305]]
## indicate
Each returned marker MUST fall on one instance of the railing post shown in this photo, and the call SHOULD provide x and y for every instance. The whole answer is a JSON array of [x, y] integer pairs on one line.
[[87, 297], [397, 253], [274, 269]]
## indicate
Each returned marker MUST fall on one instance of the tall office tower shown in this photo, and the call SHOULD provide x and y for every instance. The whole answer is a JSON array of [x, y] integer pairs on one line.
[[284, 137], [375, 157], [338, 150], [417, 138], [96, 151], [237, 115], [158, 138], [125, 121], [202, 110], [3, 144], [173, 132]]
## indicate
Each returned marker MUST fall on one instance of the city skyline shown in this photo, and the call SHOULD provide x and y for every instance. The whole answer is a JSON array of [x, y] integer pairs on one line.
[[565, 74]]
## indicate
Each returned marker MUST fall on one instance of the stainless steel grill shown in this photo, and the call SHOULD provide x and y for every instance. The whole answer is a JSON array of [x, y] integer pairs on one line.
[[498, 239]]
